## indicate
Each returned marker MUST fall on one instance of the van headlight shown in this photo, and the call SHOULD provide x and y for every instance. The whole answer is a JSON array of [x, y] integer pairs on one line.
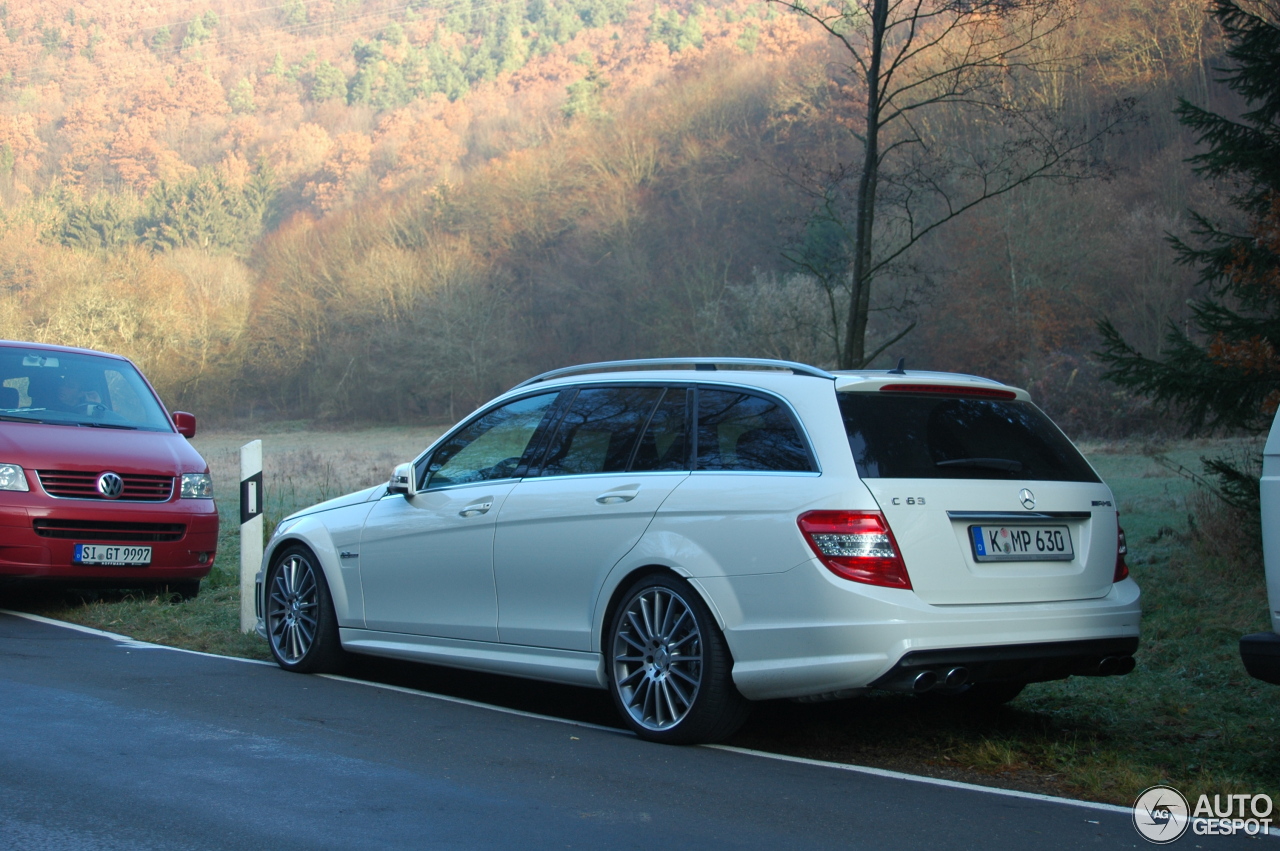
[[12, 478], [197, 486]]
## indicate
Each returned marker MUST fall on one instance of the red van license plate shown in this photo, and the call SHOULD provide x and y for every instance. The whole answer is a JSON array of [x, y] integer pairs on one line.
[[99, 554]]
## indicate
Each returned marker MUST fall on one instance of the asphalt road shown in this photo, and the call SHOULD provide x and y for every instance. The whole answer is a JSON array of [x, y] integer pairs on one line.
[[109, 744]]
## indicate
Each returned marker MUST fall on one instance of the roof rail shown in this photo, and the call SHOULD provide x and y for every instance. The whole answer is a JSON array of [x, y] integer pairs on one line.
[[696, 363]]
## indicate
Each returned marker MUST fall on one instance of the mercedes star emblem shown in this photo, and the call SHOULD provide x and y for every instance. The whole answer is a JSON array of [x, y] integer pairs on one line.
[[1028, 499]]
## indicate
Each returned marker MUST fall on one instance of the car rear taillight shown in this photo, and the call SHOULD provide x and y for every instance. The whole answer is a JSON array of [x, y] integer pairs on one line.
[[1122, 550], [856, 545]]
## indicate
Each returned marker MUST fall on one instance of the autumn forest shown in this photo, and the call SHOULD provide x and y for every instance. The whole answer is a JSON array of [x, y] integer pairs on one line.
[[365, 210]]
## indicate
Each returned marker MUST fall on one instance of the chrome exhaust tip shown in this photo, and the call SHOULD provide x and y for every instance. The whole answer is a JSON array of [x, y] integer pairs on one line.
[[924, 681], [1109, 666], [956, 677]]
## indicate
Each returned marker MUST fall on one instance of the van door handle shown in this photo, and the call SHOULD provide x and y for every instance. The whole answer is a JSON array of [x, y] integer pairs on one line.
[[614, 497], [476, 508]]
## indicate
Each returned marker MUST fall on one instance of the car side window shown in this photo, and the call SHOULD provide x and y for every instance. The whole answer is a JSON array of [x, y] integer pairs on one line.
[[664, 447], [489, 447], [746, 432], [599, 430]]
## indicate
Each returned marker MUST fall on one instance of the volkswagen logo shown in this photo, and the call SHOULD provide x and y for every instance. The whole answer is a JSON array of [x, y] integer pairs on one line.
[[110, 485], [1027, 498]]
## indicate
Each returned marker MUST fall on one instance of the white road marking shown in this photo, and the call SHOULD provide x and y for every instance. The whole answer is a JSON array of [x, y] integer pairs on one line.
[[933, 781], [126, 641]]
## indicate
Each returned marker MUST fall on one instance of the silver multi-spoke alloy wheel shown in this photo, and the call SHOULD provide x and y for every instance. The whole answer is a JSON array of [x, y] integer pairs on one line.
[[657, 658], [293, 608]]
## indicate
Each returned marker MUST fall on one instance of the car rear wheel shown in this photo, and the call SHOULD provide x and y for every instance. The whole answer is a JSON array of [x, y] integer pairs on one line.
[[669, 666], [301, 626]]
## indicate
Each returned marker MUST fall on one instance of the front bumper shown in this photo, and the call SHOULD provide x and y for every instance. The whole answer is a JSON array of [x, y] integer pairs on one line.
[[1260, 653], [31, 549]]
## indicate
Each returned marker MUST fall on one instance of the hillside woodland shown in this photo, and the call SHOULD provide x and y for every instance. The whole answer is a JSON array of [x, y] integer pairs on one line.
[[378, 211]]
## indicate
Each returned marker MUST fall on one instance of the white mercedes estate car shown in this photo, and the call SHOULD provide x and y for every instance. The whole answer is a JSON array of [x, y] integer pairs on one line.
[[696, 534]]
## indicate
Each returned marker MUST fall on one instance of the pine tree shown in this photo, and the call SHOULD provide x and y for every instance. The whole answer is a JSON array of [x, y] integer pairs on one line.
[[328, 82], [1226, 373]]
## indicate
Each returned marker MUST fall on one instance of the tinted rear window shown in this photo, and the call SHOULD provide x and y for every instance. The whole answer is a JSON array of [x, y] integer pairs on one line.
[[746, 432], [664, 446], [599, 431], [896, 436]]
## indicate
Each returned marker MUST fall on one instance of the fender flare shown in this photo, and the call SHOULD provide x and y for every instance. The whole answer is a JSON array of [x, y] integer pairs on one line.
[[652, 555], [313, 535]]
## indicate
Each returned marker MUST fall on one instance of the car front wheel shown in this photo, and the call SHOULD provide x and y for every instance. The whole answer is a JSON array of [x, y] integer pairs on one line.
[[301, 626], [669, 666]]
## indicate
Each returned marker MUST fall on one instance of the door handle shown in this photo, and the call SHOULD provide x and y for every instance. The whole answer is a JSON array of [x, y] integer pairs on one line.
[[614, 497], [476, 508]]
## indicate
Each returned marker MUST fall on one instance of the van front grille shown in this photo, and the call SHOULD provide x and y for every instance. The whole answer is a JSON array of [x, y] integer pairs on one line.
[[82, 484]]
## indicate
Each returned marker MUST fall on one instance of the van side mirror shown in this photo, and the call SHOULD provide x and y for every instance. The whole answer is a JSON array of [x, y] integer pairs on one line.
[[185, 423], [402, 480]]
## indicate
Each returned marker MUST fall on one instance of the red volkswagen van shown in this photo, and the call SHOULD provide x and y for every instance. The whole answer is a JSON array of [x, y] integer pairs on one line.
[[98, 484]]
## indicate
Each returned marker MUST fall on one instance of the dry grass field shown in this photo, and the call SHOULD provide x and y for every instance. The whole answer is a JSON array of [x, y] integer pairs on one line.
[[301, 467]]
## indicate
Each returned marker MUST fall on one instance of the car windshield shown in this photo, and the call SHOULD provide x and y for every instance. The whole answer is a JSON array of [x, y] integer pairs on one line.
[[76, 389], [932, 436]]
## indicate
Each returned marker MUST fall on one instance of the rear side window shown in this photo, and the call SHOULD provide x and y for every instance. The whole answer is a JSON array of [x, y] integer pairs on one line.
[[901, 436], [745, 432], [664, 447], [598, 432]]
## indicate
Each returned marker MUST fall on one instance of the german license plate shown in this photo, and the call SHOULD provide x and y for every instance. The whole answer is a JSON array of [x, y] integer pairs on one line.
[[112, 555], [1021, 543]]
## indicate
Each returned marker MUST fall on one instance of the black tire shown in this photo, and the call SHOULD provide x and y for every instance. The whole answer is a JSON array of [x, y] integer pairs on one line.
[[670, 671], [302, 629], [185, 589]]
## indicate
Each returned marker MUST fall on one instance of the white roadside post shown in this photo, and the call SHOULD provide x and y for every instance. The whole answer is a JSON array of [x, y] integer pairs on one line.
[[250, 529]]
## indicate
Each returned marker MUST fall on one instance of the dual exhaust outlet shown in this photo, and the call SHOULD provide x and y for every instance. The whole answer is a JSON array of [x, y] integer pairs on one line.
[[926, 680], [951, 678]]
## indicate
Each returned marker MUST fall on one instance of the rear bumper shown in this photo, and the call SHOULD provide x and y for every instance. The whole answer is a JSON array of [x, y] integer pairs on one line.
[[1260, 653], [800, 634], [922, 670]]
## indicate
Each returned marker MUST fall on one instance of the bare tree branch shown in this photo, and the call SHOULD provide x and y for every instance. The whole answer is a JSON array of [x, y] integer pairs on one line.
[[969, 64]]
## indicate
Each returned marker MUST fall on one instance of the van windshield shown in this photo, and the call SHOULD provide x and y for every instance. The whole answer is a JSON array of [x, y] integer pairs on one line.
[[76, 389], [932, 436]]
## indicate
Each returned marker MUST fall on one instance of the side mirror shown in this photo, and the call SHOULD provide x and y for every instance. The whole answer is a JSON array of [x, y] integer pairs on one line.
[[186, 423], [402, 480]]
